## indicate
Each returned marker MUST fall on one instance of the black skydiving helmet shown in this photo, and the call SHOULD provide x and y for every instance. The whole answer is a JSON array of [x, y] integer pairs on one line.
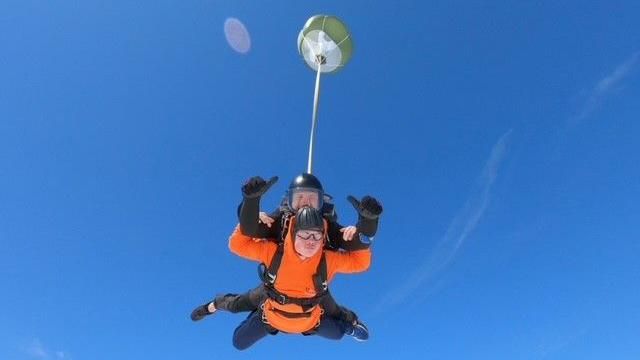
[[308, 218], [305, 190]]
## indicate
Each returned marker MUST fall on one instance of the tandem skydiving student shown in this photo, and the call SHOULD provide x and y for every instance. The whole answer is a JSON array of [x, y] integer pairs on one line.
[[293, 296]]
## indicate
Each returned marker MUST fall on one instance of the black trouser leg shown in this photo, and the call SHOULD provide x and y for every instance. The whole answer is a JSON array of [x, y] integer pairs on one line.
[[246, 302], [331, 328], [332, 309], [249, 331]]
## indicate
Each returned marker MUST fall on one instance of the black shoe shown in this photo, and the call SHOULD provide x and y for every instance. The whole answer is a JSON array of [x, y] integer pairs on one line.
[[201, 311]]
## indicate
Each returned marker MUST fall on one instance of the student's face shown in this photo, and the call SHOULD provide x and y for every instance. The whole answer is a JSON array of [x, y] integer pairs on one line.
[[302, 198], [308, 242]]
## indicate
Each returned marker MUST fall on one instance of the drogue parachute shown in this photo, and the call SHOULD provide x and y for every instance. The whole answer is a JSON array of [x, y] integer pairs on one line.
[[325, 43]]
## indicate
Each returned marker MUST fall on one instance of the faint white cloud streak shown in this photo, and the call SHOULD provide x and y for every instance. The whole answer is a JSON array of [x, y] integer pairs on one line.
[[462, 225], [37, 351], [553, 345], [606, 85]]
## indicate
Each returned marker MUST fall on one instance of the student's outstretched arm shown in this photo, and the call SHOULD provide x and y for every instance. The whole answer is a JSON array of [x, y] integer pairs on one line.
[[347, 261], [250, 248]]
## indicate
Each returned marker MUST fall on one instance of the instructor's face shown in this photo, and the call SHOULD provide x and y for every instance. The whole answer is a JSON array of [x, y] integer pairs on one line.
[[301, 199]]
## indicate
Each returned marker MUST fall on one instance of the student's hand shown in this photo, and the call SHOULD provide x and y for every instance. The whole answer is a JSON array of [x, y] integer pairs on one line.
[[368, 207], [265, 219], [256, 186], [348, 232]]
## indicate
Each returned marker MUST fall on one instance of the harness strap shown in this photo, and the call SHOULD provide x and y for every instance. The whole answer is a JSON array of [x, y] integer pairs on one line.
[[292, 315], [320, 278], [272, 272], [268, 276], [285, 221], [283, 299]]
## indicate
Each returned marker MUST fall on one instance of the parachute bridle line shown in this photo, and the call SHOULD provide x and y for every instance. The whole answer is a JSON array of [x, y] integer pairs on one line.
[[314, 120], [316, 98], [320, 60]]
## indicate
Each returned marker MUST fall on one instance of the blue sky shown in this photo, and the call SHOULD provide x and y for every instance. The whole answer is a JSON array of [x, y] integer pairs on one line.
[[501, 137]]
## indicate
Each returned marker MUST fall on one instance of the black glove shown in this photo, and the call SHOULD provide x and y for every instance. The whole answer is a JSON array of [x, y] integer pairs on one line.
[[256, 186], [369, 207]]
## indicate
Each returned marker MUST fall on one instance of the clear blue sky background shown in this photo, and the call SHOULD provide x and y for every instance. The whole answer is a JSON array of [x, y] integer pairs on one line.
[[502, 138]]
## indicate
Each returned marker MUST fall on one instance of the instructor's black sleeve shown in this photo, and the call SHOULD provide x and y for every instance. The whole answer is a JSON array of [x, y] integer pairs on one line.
[[367, 227], [248, 215], [337, 242]]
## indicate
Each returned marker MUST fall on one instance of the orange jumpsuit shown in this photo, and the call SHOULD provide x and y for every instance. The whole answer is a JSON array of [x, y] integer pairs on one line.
[[295, 276]]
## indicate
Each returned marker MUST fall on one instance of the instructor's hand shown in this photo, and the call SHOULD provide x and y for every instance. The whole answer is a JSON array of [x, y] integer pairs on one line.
[[368, 207], [256, 186]]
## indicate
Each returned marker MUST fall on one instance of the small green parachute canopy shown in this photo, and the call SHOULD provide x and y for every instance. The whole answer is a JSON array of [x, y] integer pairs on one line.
[[325, 42]]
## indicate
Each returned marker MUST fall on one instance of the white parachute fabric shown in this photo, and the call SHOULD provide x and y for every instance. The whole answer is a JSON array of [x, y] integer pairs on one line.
[[318, 49], [325, 43]]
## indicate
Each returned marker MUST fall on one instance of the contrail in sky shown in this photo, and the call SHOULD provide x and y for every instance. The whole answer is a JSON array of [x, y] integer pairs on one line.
[[605, 85], [462, 225]]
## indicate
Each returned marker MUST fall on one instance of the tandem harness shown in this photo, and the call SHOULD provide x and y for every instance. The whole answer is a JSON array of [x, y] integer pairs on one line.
[[281, 312], [269, 275]]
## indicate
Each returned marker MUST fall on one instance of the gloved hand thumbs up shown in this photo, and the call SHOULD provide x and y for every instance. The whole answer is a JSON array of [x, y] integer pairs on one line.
[[368, 207], [256, 186]]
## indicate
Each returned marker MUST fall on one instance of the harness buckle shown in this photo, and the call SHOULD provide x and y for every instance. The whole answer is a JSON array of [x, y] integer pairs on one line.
[[281, 299], [271, 279], [284, 228]]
